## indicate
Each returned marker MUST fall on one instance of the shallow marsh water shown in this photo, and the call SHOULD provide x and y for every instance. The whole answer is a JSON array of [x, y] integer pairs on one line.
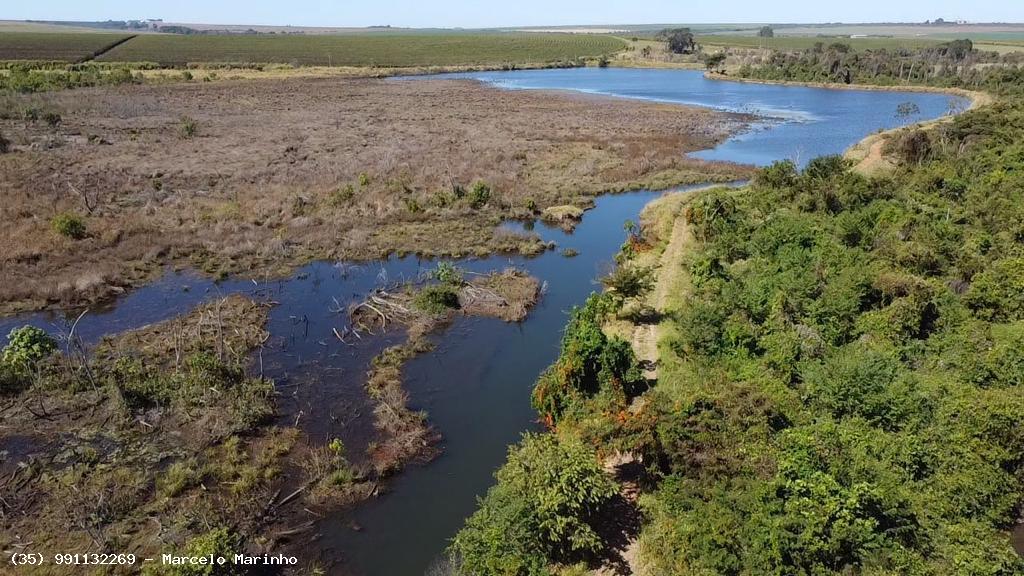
[[475, 386]]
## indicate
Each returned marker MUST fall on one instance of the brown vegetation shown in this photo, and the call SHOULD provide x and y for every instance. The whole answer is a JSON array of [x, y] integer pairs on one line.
[[137, 449], [271, 174]]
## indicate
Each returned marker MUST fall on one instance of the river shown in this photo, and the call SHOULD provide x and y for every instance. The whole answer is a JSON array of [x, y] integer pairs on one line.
[[475, 386]]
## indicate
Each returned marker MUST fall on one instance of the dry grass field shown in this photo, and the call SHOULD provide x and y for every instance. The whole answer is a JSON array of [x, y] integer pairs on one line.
[[255, 176]]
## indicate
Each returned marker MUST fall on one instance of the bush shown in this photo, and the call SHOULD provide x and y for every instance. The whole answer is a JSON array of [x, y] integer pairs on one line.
[[69, 225], [826, 167], [219, 542], [448, 273], [342, 196], [539, 511], [781, 174], [589, 363], [5, 144], [913, 147], [26, 346], [188, 128], [436, 299], [629, 281], [479, 195]]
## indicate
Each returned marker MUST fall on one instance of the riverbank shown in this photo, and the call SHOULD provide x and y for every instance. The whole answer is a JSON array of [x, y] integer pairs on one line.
[[977, 98], [666, 232], [868, 155]]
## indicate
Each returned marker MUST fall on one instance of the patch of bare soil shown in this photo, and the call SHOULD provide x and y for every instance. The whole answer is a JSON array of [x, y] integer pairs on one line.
[[253, 175]]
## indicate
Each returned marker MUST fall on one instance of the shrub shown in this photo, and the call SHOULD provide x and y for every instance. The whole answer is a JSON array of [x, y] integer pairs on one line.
[[69, 225], [26, 346], [436, 299], [5, 144], [479, 195], [448, 273], [629, 281], [589, 363], [219, 542], [342, 196], [539, 511], [178, 477], [826, 167], [188, 128], [13, 379], [781, 174], [913, 147]]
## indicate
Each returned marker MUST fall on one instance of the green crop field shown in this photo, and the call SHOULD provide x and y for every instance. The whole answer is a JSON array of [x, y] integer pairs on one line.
[[804, 42], [65, 46], [380, 49]]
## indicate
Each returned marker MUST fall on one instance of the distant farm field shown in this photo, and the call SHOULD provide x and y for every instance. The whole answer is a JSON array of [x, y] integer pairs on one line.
[[65, 46], [384, 49], [805, 42]]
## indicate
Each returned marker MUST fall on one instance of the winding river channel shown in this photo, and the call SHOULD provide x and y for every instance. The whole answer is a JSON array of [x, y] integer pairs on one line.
[[475, 385]]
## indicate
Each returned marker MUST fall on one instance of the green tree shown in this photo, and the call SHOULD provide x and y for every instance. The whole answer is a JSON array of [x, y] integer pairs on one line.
[[680, 40], [714, 62], [538, 512]]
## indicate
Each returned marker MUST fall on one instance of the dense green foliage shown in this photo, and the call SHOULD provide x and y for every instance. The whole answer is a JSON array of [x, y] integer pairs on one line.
[[375, 49], [807, 42], [437, 299], [839, 392], [69, 225], [539, 512], [846, 396], [590, 365], [31, 77], [26, 346], [952, 64]]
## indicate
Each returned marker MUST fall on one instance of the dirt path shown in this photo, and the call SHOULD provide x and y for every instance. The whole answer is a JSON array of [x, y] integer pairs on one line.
[[623, 527], [669, 278], [868, 155]]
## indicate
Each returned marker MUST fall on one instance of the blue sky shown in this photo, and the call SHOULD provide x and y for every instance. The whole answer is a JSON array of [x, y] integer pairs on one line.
[[481, 13]]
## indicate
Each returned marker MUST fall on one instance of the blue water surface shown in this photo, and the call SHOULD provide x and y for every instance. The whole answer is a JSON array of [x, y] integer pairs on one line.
[[797, 123]]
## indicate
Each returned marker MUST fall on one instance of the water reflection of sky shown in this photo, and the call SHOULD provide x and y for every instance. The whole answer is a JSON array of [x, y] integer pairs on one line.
[[793, 114]]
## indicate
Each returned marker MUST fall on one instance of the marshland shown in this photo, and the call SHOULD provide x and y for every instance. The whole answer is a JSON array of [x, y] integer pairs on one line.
[[280, 307]]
